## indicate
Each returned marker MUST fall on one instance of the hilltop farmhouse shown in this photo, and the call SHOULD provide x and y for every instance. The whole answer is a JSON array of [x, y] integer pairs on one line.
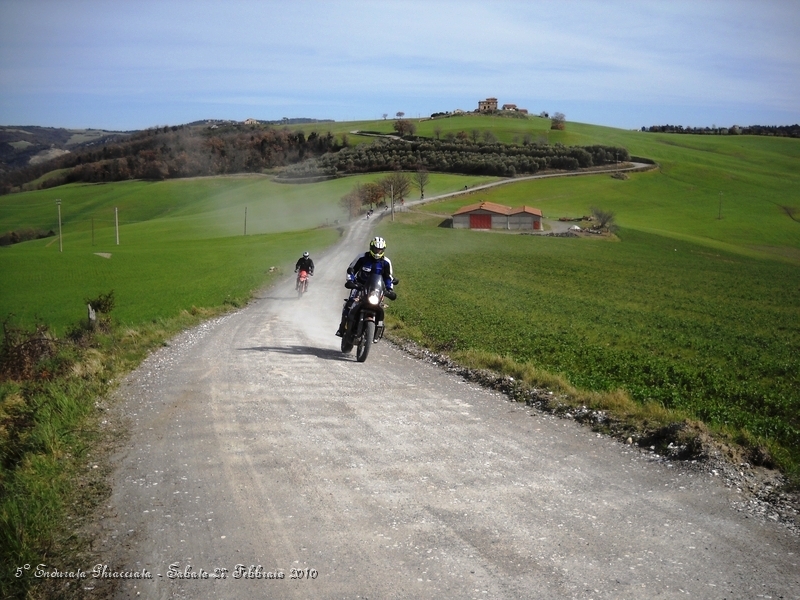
[[490, 105], [489, 215]]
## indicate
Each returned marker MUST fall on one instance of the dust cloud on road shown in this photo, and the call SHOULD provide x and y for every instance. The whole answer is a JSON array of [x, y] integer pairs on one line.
[[264, 463]]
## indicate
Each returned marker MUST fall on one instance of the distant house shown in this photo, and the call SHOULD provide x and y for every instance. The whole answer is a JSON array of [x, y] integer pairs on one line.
[[509, 107], [251, 122], [488, 105], [489, 215]]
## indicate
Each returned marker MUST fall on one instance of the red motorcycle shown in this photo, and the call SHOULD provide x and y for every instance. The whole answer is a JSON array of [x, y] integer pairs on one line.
[[302, 283]]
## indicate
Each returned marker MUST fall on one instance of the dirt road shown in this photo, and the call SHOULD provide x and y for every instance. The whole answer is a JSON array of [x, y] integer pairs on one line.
[[255, 442]]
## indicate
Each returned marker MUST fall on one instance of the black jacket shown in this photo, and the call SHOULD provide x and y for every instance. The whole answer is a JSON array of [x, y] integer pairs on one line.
[[305, 264]]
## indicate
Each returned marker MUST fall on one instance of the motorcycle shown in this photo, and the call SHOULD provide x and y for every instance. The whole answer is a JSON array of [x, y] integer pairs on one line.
[[302, 283], [364, 324]]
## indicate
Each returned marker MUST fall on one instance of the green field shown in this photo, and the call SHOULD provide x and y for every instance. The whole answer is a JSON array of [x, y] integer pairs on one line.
[[667, 321], [178, 245]]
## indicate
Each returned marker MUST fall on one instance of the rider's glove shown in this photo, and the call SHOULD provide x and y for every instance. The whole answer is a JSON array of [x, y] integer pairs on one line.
[[350, 277]]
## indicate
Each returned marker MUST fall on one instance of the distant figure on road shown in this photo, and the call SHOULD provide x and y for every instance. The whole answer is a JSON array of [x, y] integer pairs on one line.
[[304, 263]]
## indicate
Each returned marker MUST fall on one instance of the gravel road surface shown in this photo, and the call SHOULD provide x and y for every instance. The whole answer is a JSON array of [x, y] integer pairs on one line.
[[256, 442]]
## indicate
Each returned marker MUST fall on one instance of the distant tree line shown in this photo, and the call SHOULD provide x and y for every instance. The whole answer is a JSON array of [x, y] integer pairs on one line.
[[456, 156], [771, 130], [189, 151], [171, 152]]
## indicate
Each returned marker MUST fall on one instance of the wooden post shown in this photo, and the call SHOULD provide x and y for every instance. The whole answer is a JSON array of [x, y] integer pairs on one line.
[[116, 222]]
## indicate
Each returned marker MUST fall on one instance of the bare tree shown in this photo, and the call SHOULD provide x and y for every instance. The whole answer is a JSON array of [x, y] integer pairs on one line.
[[398, 184], [420, 179], [351, 202], [385, 115], [400, 114], [604, 219], [437, 131], [370, 193], [558, 121]]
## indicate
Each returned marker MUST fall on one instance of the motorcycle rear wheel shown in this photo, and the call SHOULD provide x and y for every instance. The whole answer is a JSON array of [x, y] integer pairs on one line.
[[366, 341]]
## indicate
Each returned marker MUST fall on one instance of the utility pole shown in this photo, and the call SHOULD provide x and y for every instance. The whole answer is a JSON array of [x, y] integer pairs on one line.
[[60, 242], [116, 222], [245, 220]]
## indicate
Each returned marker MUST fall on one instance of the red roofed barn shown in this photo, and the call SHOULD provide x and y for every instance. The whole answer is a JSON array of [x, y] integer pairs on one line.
[[488, 215]]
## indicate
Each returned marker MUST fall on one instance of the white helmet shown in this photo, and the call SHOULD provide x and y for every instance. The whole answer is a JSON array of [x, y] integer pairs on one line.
[[377, 247]]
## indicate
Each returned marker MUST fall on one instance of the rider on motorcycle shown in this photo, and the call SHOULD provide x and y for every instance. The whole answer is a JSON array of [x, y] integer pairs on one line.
[[304, 263], [373, 261]]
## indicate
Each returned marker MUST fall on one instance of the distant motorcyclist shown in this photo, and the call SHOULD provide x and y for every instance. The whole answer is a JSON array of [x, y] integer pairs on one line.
[[304, 263], [363, 265]]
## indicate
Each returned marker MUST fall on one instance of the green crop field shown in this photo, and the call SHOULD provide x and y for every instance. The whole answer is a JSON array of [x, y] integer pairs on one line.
[[708, 333]]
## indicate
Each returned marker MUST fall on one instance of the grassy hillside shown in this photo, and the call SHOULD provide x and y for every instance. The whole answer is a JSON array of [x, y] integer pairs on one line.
[[754, 178], [709, 335]]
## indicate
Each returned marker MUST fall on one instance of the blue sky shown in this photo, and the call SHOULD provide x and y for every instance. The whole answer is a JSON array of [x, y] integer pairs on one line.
[[128, 64]]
